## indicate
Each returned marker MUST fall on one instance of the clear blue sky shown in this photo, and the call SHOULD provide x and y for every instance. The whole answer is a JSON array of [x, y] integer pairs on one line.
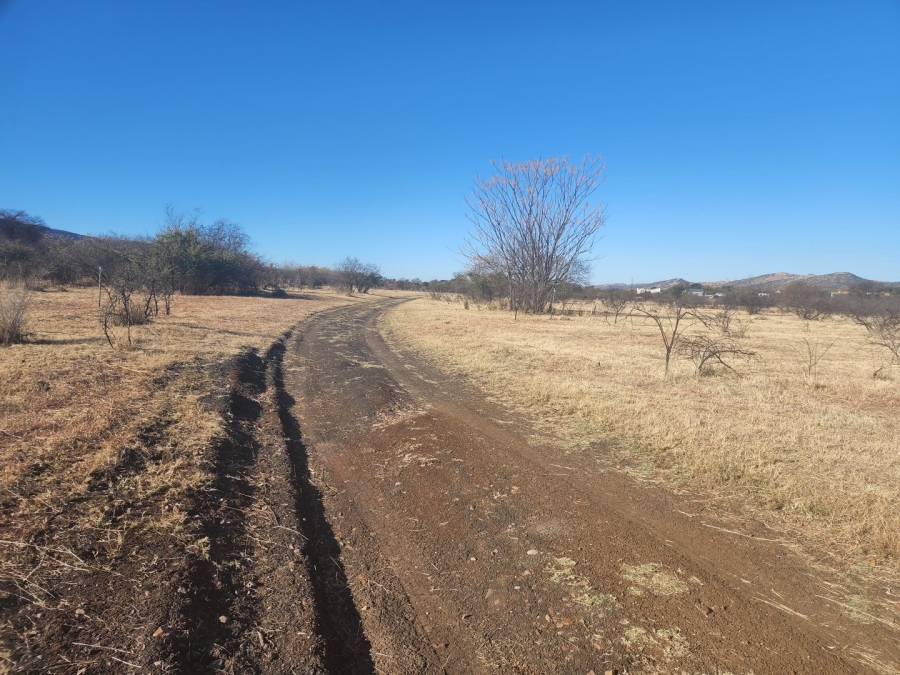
[[740, 138]]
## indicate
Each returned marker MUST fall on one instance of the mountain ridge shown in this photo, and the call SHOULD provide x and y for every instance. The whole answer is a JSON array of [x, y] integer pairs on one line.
[[836, 281]]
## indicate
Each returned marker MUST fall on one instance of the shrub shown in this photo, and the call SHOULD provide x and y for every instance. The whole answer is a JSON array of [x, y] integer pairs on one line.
[[806, 301], [13, 314]]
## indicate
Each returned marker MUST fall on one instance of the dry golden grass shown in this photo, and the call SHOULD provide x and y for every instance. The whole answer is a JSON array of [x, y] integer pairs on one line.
[[816, 454], [71, 406]]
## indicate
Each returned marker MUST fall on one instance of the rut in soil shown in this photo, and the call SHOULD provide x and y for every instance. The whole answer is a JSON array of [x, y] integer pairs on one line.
[[347, 650], [222, 513]]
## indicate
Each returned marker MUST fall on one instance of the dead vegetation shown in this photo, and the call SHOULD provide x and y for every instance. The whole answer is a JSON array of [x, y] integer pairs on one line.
[[13, 313], [806, 436], [104, 457]]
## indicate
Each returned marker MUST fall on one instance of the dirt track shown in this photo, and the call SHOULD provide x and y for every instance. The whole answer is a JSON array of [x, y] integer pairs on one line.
[[369, 513], [466, 547]]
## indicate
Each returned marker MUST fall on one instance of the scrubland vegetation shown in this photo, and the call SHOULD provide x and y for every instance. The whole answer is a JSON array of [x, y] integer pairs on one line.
[[115, 351], [71, 404], [137, 276], [105, 452], [803, 425], [119, 359]]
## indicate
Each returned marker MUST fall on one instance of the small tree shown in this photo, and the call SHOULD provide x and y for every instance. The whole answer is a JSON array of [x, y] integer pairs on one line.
[[883, 329], [198, 259], [749, 300], [615, 302], [487, 286], [806, 301], [355, 275], [671, 320], [533, 224]]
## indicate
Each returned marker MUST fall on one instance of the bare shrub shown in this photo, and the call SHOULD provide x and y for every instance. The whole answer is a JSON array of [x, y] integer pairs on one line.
[[127, 304], [13, 314], [815, 352], [707, 352], [724, 322], [883, 330], [671, 321], [806, 301], [615, 302]]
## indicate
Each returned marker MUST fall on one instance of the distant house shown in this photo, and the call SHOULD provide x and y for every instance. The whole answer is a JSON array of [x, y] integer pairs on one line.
[[695, 289], [720, 295], [764, 295], [656, 289], [641, 291]]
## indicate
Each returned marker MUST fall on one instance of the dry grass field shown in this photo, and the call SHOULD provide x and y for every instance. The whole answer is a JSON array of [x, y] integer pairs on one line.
[[103, 450], [814, 451], [71, 405]]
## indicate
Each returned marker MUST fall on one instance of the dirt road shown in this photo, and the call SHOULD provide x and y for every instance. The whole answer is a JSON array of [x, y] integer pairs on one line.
[[368, 513], [452, 540]]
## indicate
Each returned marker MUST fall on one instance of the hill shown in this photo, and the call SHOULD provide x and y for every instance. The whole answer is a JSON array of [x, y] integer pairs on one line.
[[835, 281], [668, 283], [775, 282], [62, 234], [19, 226]]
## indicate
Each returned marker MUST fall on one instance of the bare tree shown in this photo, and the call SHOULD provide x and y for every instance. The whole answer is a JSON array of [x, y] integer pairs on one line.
[[806, 301], [533, 224], [615, 302], [671, 321], [356, 275], [724, 322], [883, 328]]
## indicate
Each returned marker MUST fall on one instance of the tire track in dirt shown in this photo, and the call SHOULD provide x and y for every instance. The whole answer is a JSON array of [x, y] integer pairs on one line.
[[345, 647], [265, 596], [472, 546], [271, 595], [215, 611]]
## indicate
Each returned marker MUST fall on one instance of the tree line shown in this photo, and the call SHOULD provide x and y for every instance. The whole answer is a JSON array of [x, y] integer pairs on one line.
[[137, 277], [185, 256]]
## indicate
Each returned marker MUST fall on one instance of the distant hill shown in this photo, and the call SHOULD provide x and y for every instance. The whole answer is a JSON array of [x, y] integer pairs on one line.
[[775, 282], [767, 282], [668, 283]]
